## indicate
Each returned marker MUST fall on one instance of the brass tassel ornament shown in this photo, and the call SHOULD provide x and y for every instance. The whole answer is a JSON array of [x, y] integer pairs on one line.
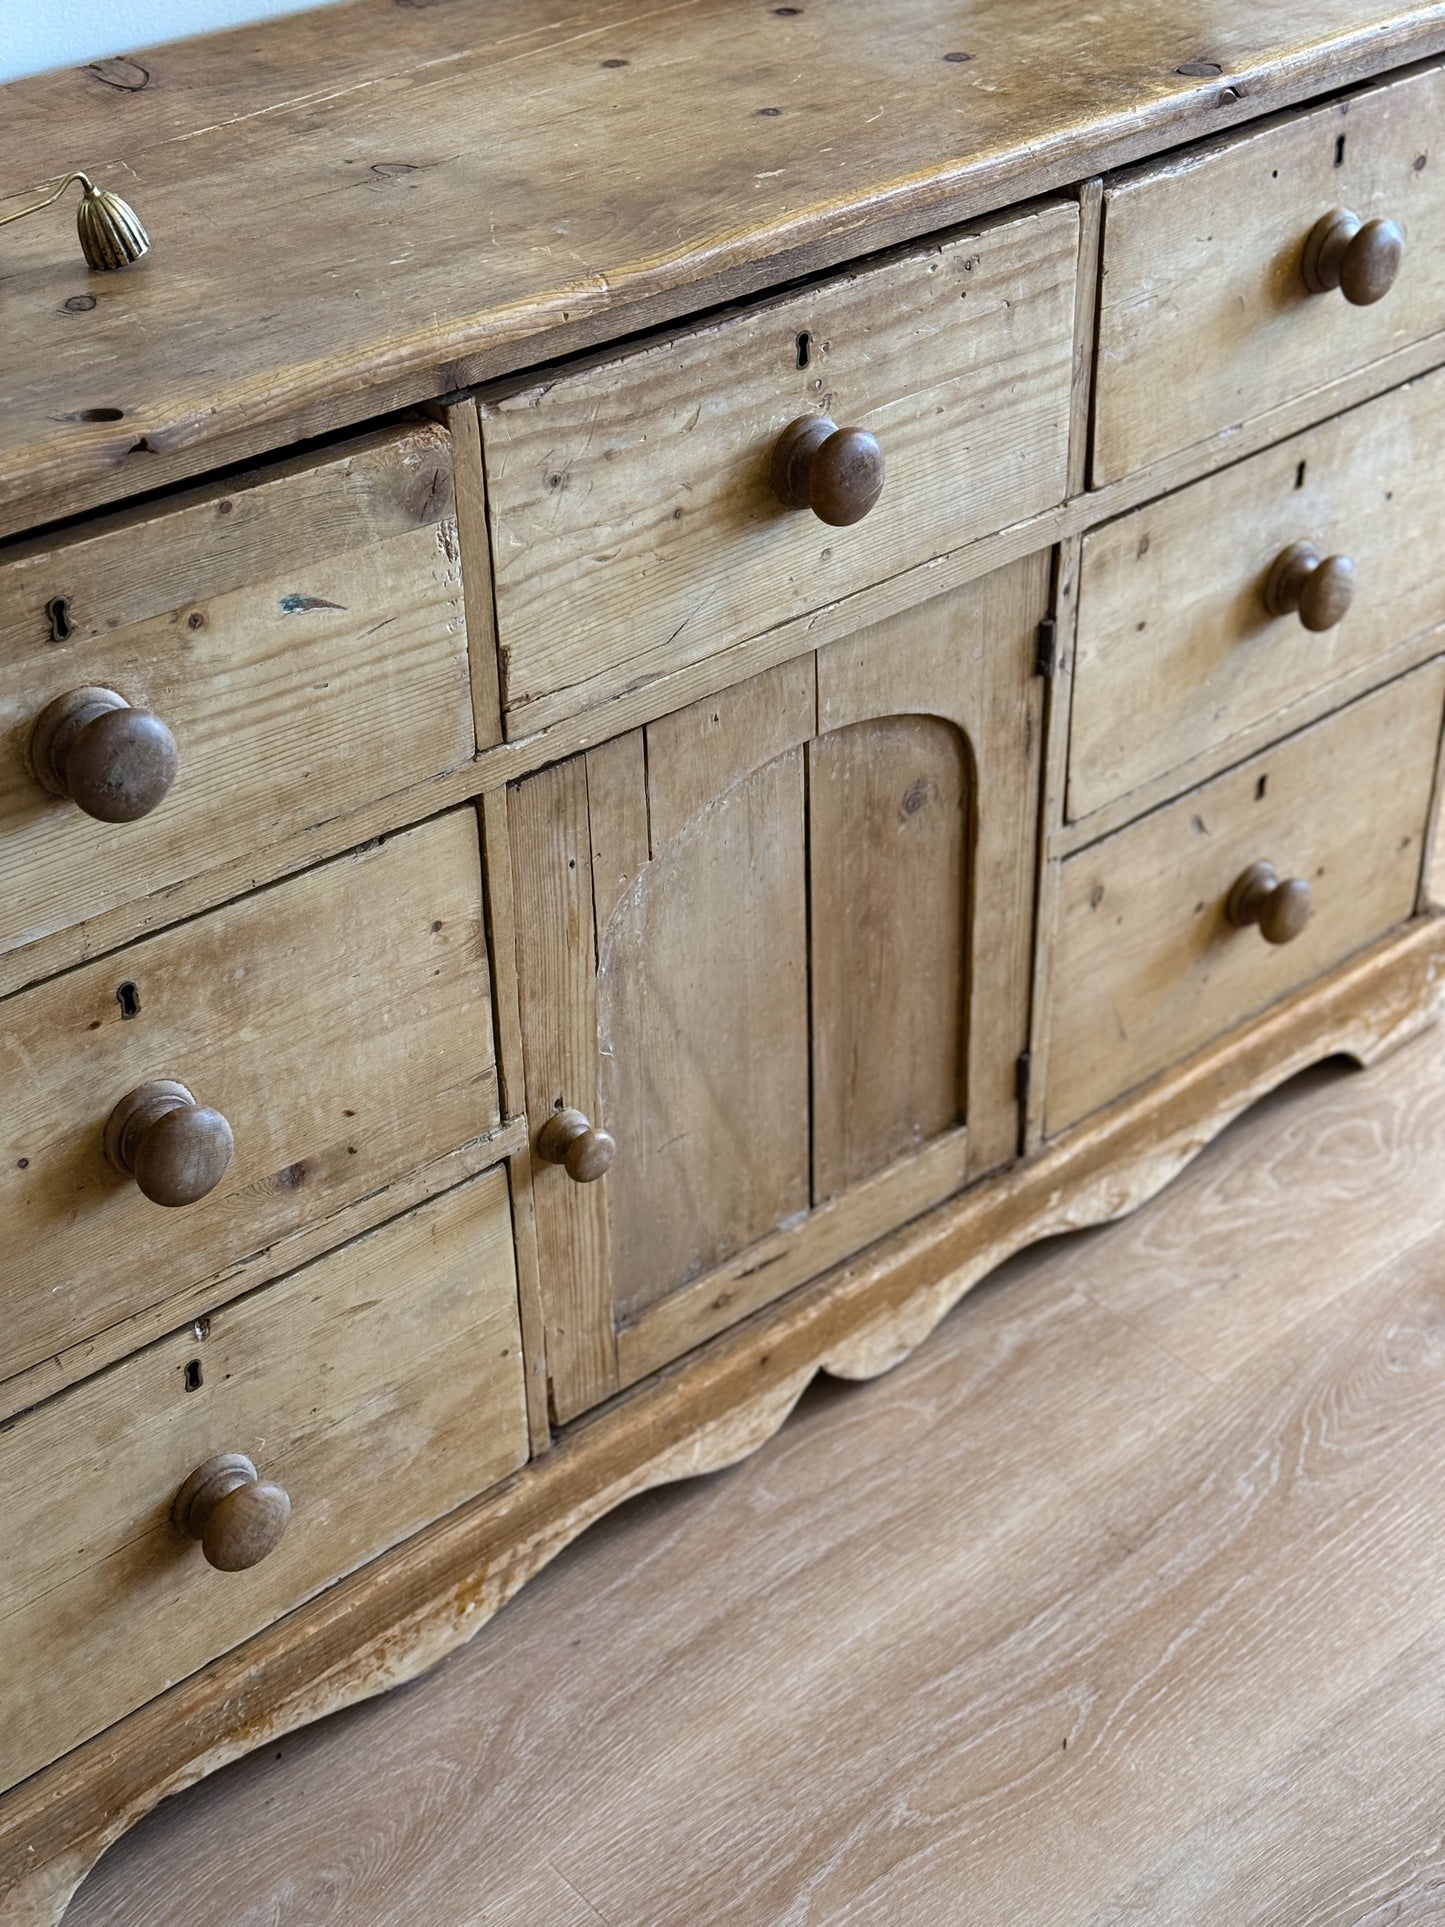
[[111, 235]]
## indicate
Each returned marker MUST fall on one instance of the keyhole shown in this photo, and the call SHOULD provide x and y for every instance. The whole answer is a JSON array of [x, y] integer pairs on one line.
[[128, 997], [193, 1374], [1340, 151], [805, 349], [58, 611]]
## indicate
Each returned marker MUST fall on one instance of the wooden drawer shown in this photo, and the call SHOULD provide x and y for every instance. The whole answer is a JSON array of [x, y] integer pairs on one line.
[[1148, 965], [379, 1387], [1205, 322], [1177, 649], [634, 525], [341, 1022], [299, 633]]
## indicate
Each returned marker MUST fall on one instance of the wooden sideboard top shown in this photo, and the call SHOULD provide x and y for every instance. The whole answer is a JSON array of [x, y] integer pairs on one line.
[[361, 207]]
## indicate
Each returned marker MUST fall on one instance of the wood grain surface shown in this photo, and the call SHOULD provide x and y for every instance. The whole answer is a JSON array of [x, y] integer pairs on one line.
[[1177, 653], [331, 237], [300, 631], [344, 1047], [1085, 1617], [1204, 318], [634, 523], [380, 1386], [1148, 965], [795, 1047]]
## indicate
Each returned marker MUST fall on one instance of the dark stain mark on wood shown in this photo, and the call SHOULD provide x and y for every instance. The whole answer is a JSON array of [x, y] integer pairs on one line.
[[83, 303], [296, 605], [127, 75]]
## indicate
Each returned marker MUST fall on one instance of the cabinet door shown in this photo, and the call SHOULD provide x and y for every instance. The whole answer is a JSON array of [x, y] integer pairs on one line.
[[777, 945]]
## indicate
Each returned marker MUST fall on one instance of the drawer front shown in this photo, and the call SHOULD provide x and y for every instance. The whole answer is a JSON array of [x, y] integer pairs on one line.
[[635, 529], [379, 1388], [301, 637], [1178, 649], [341, 1024], [1205, 321], [1149, 965]]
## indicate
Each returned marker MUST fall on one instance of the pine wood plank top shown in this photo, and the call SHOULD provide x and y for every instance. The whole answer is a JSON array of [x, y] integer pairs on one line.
[[387, 199], [1119, 1602]]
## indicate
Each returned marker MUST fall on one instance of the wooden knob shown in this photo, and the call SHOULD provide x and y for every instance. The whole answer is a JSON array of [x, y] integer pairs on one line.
[[114, 762], [175, 1149], [1361, 259], [572, 1140], [1280, 906], [237, 1517], [1318, 589], [835, 472]]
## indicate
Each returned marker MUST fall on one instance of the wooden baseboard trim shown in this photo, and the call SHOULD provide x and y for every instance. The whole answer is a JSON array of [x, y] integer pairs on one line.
[[405, 1611]]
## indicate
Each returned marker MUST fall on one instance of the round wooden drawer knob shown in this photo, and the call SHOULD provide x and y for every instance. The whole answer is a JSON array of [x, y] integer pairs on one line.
[[1281, 906], [1318, 589], [573, 1141], [1361, 259], [114, 762], [835, 472], [238, 1517], [176, 1149]]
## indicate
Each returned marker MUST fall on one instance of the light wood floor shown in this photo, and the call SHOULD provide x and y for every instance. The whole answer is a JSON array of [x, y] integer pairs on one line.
[[1120, 1602]]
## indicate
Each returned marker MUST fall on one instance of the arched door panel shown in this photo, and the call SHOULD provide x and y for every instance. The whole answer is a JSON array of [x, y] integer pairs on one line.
[[778, 944]]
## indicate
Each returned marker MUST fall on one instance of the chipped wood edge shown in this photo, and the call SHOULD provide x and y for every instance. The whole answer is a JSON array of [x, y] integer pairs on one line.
[[404, 1612]]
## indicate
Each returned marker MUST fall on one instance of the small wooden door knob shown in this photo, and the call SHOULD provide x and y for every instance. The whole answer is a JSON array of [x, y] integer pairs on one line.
[[1318, 589], [570, 1139], [114, 762], [835, 472], [238, 1517], [1361, 259], [176, 1149], [1281, 906]]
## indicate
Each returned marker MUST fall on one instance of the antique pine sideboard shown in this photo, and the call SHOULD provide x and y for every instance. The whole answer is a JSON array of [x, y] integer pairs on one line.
[[669, 677]]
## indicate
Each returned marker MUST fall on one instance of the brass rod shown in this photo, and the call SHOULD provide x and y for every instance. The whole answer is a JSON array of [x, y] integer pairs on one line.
[[50, 199]]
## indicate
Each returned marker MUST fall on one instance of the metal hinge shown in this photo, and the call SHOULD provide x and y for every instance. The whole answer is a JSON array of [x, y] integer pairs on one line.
[[1023, 1072], [1047, 659]]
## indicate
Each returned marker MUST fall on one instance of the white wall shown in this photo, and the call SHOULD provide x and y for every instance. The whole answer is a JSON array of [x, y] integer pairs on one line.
[[35, 34]]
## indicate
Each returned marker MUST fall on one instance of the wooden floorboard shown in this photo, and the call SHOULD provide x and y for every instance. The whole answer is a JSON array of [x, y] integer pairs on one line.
[[1120, 1603]]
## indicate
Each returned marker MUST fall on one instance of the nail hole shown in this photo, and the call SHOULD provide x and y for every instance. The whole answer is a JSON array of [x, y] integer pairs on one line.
[[805, 349], [958, 59], [1299, 476], [769, 113], [100, 415], [1340, 151], [1260, 787], [128, 997], [193, 1374], [612, 63], [58, 612], [1199, 69]]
